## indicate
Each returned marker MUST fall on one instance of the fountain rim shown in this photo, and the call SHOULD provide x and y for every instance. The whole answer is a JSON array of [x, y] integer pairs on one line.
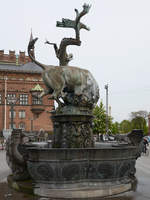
[[81, 149]]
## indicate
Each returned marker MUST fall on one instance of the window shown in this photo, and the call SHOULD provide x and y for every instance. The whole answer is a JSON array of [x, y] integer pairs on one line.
[[22, 125], [36, 101], [14, 125], [23, 99], [22, 114], [14, 114], [0, 98], [10, 96]]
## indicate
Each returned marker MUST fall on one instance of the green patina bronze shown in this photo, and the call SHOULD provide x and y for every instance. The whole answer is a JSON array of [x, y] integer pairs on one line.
[[74, 89], [61, 52]]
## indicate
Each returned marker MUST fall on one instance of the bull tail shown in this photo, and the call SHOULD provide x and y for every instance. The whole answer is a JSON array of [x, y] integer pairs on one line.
[[30, 53]]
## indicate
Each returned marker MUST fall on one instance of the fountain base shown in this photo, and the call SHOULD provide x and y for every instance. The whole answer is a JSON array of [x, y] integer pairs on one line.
[[82, 173], [104, 190], [89, 192]]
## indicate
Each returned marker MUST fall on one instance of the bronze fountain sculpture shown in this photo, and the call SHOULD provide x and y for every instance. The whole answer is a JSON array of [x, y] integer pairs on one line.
[[75, 86], [74, 166]]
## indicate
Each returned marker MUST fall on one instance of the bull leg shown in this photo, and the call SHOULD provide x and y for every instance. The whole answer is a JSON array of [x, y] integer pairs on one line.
[[43, 93], [57, 100], [56, 95], [60, 104]]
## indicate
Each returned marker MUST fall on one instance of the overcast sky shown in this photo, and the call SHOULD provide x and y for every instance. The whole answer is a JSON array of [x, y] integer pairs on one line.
[[116, 50]]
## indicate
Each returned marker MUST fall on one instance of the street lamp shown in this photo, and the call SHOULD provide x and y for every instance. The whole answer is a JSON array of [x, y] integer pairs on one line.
[[107, 125], [12, 102]]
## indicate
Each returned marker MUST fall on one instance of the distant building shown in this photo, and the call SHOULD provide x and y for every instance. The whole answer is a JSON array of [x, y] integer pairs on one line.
[[20, 78]]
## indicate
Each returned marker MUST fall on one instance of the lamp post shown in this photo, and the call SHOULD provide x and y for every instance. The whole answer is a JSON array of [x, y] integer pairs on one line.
[[107, 125], [12, 102], [31, 124], [5, 102]]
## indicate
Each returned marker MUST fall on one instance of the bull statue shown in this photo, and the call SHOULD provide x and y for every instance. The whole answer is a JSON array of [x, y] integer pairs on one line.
[[74, 89], [73, 85]]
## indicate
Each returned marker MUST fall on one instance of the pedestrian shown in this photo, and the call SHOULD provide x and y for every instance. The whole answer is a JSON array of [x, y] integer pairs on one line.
[[146, 143]]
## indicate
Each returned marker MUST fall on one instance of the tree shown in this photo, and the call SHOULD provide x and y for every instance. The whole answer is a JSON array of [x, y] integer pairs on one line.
[[125, 126], [115, 128], [99, 119], [140, 113], [139, 120], [139, 123]]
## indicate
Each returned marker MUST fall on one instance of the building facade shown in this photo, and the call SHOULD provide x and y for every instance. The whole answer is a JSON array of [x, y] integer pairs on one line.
[[21, 79]]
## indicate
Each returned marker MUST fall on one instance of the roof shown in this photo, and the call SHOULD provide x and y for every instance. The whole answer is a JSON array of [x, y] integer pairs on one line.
[[29, 67]]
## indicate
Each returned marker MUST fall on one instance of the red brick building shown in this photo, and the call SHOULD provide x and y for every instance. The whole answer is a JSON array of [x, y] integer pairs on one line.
[[19, 77]]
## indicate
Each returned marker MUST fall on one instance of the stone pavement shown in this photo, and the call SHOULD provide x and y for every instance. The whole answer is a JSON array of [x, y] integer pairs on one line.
[[143, 176], [4, 169]]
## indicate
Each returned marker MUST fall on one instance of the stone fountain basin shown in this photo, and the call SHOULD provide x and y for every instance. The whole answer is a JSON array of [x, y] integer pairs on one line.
[[103, 171], [59, 167]]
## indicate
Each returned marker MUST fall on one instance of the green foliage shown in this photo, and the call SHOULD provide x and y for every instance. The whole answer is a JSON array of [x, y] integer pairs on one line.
[[125, 126], [115, 128], [139, 123], [99, 119], [139, 120], [140, 113]]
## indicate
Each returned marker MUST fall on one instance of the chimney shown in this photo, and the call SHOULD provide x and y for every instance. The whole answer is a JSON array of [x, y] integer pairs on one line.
[[12, 57], [1, 53], [11, 53], [22, 56]]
